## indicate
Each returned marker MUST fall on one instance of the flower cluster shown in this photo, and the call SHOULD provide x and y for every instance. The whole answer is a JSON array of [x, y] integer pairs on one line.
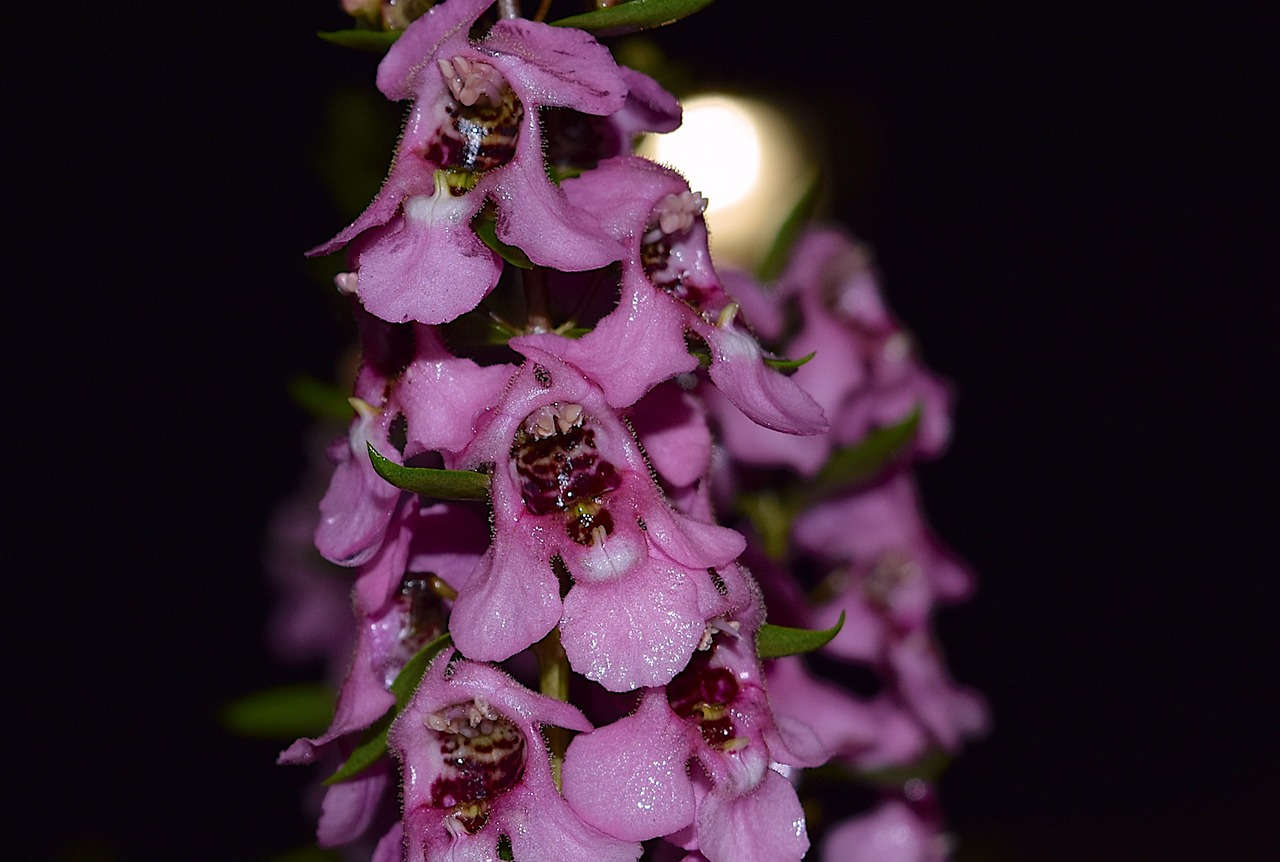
[[861, 541], [557, 644]]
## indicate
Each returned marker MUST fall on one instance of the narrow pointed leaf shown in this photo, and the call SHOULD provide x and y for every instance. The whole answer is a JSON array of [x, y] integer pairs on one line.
[[928, 767], [285, 713], [487, 230], [775, 259], [322, 400], [377, 41], [632, 16], [411, 674], [430, 482], [778, 641], [785, 365], [307, 854], [372, 747], [374, 743], [864, 459]]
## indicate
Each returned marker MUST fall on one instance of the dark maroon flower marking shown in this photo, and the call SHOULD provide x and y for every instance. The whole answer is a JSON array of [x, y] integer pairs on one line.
[[704, 694], [482, 756], [561, 470]]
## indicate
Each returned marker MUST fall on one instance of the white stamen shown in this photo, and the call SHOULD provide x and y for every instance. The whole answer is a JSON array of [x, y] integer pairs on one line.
[[554, 419], [677, 212], [454, 825], [345, 282], [570, 416], [471, 81]]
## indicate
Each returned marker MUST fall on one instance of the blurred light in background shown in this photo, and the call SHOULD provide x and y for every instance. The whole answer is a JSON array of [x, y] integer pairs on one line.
[[747, 159]]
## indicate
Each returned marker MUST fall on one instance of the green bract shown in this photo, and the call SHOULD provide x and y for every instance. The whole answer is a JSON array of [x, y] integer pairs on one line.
[[374, 743], [487, 229], [281, 713], [864, 459], [377, 41], [440, 484], [632, 16], [778, 641], [775, 259], [788, 364]]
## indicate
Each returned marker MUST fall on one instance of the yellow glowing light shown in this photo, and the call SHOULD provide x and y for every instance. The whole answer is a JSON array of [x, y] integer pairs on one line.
[[746, 160]]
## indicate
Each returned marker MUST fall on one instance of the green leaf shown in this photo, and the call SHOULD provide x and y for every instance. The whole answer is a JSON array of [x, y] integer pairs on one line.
[[307, 854], [928, 767], [487, 230], [377, 41], [775, 259], [771, 516], [440, 484], [864, 459], [287, 712], [410, 675], [632, 16], [374, 743], [322, 400], [788, 364], [778, 641]]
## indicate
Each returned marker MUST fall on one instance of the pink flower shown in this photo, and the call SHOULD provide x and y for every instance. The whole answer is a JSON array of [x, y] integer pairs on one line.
[[633, 778], [890, 833], [398, 613], [473, 136], [312, 618], [884, 559], [671, 424], [408, 375], [886, 574], [669, 286], [576, 141], [865, 372], [357, 506], [571, 488], [476, 769]]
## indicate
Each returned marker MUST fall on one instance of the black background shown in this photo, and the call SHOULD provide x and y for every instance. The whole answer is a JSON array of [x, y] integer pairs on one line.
[[1067, 203]]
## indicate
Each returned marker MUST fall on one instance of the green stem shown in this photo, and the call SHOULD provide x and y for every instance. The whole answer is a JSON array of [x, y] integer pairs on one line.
[[553, 681], [537, 300]]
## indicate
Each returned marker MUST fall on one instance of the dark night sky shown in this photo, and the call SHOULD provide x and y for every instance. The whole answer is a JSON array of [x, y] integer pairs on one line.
[[1067, 206]]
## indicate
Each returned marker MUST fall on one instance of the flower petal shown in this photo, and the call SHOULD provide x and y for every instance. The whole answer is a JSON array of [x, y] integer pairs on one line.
[[629, 779], [443, 27], [563, 66], [672, 427], [427, 264], [634, 631], [511, 601], [765, 825], [349, 807], [635, 347], [535, 215], [763, 394]]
